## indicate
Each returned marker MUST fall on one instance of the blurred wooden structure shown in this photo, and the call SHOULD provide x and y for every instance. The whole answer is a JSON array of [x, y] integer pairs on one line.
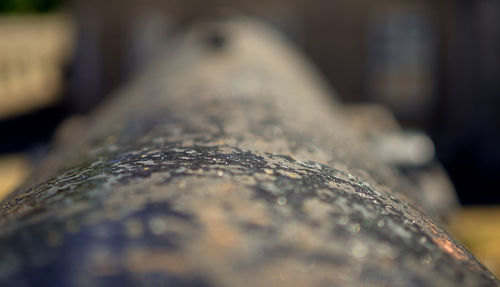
[[34, 50]]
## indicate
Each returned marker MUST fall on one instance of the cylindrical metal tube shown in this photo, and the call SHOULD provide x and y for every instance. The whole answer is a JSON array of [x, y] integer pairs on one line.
[[225, 165]]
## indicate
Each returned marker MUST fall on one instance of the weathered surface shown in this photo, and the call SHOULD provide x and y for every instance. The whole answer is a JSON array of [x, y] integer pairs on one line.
[[224, 166]]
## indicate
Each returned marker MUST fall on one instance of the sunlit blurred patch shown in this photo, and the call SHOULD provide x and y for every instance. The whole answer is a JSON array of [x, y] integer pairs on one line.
[[478, 228], [14, 169]]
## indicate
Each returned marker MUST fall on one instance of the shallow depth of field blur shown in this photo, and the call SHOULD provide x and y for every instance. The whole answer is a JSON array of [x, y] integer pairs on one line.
[[435, 64]]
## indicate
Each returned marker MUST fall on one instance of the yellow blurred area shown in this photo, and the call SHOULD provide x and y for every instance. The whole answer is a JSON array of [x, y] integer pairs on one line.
[[479, 229], [33, 52], [14, 169]]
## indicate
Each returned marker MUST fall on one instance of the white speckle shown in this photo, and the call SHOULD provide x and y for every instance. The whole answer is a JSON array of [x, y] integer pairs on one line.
[[157, 225], [402, 232], [355, 228], [268, 171], [343, 220], [182, 184], [281, 200], [270, 187], [381, 223], [364, 211], [427, 259], [181, 169], [358, 249]]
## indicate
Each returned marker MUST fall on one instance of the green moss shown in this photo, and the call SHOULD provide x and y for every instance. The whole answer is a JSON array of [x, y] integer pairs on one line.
[[29, 6]]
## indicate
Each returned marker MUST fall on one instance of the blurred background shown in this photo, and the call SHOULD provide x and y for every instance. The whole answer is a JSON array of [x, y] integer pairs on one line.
[[435, 64]]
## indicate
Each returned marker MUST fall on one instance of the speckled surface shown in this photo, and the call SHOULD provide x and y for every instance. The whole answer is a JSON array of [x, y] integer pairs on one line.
[[225, 165]]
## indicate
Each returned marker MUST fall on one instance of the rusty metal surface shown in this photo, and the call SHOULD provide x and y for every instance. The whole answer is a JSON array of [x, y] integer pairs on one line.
[[226, 165]]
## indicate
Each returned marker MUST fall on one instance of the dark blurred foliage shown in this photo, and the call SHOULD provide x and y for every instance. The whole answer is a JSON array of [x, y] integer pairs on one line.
[[30, 131], [29, 6]]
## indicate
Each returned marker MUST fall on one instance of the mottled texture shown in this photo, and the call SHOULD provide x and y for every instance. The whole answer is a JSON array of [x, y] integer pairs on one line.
[[226, 165]]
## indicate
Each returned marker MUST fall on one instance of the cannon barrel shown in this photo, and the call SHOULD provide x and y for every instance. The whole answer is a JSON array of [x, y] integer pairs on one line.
[[228, 163]]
